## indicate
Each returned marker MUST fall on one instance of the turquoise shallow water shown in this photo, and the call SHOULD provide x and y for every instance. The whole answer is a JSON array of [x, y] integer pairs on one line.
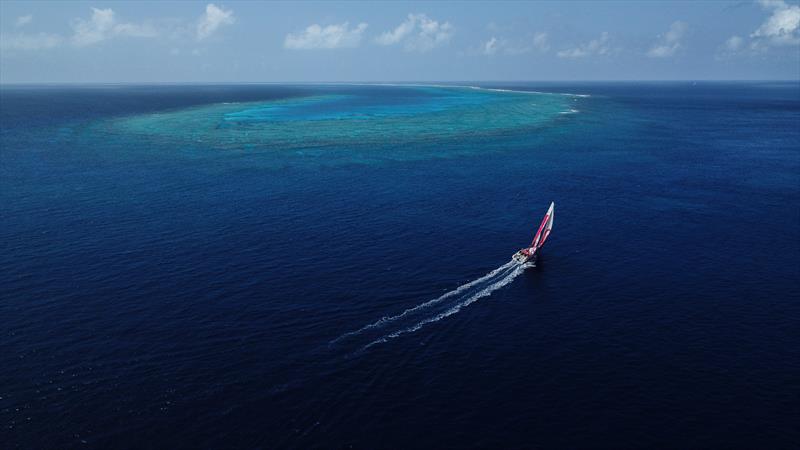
[[354, 116]]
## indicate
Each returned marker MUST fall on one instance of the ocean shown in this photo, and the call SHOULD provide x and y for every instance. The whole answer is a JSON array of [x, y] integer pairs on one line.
[[327, 266]]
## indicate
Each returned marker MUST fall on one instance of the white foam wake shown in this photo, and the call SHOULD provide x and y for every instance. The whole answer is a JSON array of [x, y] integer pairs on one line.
[[508, 278], [412, 319], [389, 319]]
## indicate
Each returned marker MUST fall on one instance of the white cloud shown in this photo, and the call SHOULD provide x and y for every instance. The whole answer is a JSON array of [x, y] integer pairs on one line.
[[489, 47], [94, 30], [103, 25], [734, 43], [212, 19], [782, 27], [599, 46], [23, 20], [135, 30], [328, 37], [41, 41], [398, 34], [670, 42], [418, 33], [539, 42]]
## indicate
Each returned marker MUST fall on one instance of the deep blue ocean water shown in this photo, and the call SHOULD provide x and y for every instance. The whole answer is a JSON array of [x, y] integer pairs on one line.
[[229, 265]]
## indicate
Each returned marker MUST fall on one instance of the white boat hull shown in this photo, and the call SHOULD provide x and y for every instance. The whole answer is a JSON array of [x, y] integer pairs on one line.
[[523, 258]]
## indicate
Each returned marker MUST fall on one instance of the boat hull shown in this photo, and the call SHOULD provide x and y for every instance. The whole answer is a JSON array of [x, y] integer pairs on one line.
[[522, 257]]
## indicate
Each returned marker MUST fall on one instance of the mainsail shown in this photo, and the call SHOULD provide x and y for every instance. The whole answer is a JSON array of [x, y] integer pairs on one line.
[[544, 228]]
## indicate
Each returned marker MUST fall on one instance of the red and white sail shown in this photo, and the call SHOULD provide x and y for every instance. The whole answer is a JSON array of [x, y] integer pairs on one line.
[[544, 229]]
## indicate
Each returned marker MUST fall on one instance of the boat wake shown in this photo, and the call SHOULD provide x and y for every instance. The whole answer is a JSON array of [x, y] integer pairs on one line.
[[413, 319]]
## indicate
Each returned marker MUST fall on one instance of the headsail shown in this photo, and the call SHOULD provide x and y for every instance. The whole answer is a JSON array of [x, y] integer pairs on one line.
[[544, 228]]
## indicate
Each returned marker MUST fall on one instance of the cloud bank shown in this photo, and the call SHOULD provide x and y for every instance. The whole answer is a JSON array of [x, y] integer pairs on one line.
[[780, 29], [40, 41], [214, 18], [670, 42], [418, 33], [599, 46], [494, 45], [102, 25], [328, 37]]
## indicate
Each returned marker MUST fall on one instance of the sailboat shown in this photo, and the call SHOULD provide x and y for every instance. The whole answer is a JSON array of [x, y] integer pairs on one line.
[[528, 254]]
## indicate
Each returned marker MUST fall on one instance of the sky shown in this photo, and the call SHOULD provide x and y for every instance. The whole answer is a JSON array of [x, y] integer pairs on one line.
[[249, 41]]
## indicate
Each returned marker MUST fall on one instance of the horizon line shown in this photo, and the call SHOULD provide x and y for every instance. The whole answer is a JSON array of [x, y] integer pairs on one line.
[[375, 82]]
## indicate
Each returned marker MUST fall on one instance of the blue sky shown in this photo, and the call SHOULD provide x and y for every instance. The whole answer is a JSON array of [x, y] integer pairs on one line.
[[126, 41]]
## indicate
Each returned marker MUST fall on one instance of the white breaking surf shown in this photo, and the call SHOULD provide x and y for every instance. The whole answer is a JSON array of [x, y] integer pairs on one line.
[[413, 319]]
